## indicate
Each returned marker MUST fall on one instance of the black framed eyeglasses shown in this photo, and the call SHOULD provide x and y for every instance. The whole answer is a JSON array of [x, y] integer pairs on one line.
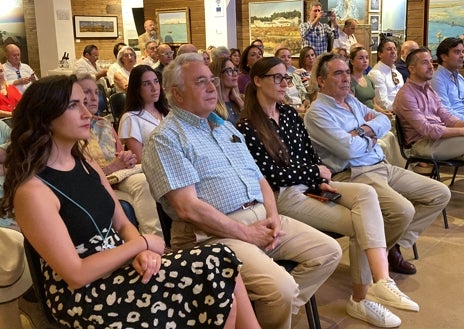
[[18, 74], [230, 71], [278, 78], [396, 81]]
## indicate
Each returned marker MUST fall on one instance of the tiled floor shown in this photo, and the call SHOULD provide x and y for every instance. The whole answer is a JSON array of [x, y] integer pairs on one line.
[[438, 286]]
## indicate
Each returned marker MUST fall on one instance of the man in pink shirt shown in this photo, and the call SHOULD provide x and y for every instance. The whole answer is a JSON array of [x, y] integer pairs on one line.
[[427, 125]]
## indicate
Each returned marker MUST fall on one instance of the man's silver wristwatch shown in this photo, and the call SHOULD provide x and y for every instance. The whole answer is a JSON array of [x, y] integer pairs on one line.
[[360, 132]]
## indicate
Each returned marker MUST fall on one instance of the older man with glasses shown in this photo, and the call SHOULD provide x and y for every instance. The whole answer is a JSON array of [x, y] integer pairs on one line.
[[88, 64], [201, 171], [17, 73], [165, 56], [344, 132]]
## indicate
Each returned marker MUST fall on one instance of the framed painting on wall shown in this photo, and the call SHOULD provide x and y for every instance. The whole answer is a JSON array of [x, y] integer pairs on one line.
[[374, 43], [173, 25], [374, 6], [96, 26], [444, 20], [276, 24], [374, 22], [348, 9]]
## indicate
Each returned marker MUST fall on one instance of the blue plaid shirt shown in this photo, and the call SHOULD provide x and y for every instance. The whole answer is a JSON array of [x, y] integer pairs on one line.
[[317, 37], [183, 150], [450, 87]]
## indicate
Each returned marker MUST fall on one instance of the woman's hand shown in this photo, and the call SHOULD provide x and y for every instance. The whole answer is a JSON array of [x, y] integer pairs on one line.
[[324, 172], [147, 264]]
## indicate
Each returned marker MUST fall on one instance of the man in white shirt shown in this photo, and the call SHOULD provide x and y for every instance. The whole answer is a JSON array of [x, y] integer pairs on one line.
[[346, 38], [87, 64], [151, 54], [16, 73]]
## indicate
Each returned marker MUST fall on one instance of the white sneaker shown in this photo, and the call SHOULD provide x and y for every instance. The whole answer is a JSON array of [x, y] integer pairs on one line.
[[372, 313], [387, 293]]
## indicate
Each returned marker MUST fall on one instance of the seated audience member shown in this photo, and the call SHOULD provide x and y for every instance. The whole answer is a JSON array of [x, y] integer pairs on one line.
[[97, 268], [210, 49], [387, 80], [230, 102], [432, 131], [363, 89], [344, 132], [165, 56], [220, 52], [15, 278], [296, 94], [17, 73], [258, 43], [346, 38], [249, 56], [206, 57], [127, 60], [146, 106], [305, 65], [316, 34], [9, 95], [447, 81], [214, 192], [342, 52], [400, 64], [88, 64], [278, 140], [235, 54], [186, 48], [115, 66], [5, 132], [151, 54], [106, 149]]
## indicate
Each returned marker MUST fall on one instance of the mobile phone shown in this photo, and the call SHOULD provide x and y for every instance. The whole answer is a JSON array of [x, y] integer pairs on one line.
[[324, 196], [328, 13]]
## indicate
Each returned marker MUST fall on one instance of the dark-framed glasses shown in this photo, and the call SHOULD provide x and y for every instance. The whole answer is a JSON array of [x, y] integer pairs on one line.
[[18, 74], [396, 81], [230, 71], [204, 82], [278, 78]]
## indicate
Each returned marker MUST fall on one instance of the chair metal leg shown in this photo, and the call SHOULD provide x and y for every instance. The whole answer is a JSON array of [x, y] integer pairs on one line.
[[445, 218], [312, 314], [454, 176], [414, 249]]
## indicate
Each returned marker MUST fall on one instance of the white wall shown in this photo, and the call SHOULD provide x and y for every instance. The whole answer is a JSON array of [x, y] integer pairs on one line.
[[55, 32], [220, 23]]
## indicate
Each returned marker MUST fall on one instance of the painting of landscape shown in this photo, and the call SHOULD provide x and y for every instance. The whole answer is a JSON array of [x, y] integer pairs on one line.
[[445, 20], [276, 23]]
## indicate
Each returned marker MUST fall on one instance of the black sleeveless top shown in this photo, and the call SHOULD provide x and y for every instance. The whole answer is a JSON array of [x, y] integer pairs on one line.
[[82, 184]]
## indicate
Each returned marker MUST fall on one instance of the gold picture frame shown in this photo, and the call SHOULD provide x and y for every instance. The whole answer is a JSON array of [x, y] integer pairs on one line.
[[173, 25]]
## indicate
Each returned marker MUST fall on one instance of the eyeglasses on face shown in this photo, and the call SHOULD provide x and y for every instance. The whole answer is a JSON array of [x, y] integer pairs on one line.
[[395, 78], [204, 82], [167, 54], [278, 78], [230, 71], [127, 55]]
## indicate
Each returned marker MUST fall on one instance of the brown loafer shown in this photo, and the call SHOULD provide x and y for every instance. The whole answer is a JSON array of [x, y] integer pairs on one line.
[[398, 264]]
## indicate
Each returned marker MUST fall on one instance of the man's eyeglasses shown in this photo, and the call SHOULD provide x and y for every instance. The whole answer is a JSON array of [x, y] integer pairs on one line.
[[230, 71], [396, 81], [18, 74], [204, 82], [278, 78], [127, 55], [167, 54]]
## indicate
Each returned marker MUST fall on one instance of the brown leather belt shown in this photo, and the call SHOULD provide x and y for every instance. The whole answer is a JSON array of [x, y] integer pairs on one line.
[[250, 204]]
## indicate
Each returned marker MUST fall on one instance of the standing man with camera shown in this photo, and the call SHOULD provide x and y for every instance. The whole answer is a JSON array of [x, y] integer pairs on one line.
[[316, 34]]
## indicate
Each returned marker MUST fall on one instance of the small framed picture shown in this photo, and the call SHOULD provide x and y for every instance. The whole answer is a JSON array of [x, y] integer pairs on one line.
[[374, 6], [374, 43], [374, 22]]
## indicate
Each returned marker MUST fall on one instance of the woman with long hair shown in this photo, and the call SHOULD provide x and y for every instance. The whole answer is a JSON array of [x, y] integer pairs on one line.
[[249, 56], [145, 108], [278, 140], [235, 55], [98, 270], [127, 59], [229, 101]]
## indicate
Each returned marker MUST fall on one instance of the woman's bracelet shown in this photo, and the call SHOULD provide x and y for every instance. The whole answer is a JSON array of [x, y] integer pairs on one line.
[[145, 239]]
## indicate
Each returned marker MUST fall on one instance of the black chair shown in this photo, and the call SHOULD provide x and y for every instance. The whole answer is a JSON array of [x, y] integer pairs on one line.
[[435, 163], [33, 261], [102, 101], [312, 313], [117, 104], [129, 211]]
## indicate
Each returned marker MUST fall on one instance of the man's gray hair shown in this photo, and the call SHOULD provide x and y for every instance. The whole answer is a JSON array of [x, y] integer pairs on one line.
[[172, 74]]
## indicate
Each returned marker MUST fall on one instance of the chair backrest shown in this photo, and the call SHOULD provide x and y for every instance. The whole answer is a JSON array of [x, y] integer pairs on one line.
[[8, 121], [117, 104], [33, 261], [129, 211], [102, 101], [401, 139], [166, 223]]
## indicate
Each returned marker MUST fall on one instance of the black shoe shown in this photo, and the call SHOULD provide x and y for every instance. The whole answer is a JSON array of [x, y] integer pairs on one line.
[[398, 264]]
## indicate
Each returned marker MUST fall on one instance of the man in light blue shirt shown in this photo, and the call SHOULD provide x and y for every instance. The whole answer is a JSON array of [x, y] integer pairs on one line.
[[200, 169], [344, 132], [447, 82]]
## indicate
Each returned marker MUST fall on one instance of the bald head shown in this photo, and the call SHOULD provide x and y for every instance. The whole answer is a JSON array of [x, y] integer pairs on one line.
[[13, 54], [186, 48], [407, 47]]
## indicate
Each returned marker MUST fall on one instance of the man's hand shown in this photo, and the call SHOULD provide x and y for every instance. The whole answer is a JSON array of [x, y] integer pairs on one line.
[[265, 233]]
